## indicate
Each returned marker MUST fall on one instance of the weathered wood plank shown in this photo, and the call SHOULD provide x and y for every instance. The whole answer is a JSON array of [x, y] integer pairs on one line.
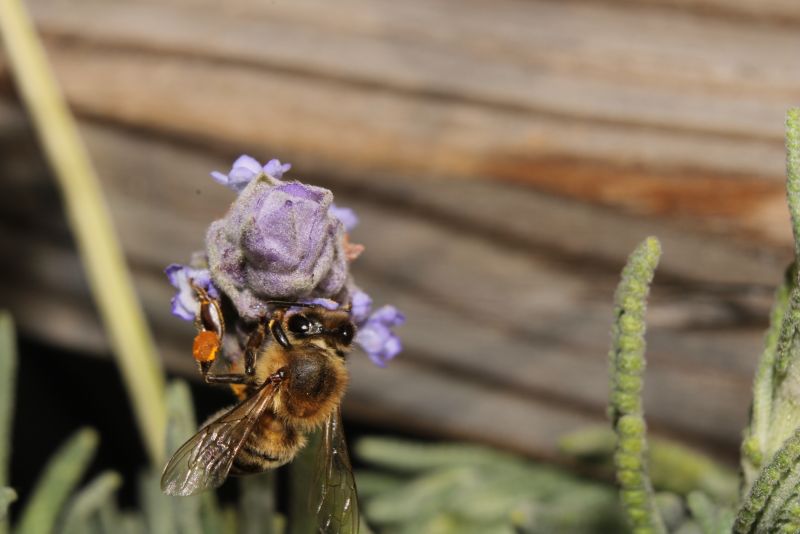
[[482, 144], [773, 11], [693, 111], [527, 320], [688, 73]]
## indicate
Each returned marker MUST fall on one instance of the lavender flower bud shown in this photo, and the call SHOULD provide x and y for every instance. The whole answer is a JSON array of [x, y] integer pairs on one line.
[[278, 241]]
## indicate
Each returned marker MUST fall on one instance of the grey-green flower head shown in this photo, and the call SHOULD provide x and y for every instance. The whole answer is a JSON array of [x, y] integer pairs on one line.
[[278, 241]]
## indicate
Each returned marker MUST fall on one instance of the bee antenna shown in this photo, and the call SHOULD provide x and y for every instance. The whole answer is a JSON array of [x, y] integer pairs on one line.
[[287, 304]]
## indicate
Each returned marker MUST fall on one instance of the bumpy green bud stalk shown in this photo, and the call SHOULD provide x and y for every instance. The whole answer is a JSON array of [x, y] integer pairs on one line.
[[766, 487], [627, 368]]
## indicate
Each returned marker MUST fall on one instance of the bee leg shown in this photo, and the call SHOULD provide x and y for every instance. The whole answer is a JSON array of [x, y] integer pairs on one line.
[[230, 378], [238, 378], [254, 343], [233, 378]]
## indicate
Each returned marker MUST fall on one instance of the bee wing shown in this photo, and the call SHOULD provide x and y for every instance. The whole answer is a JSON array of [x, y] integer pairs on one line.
[[205, 460], [333, 494]]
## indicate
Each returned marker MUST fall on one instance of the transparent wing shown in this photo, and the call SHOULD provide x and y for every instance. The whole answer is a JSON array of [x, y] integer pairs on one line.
[[333, 493], [205, 460]]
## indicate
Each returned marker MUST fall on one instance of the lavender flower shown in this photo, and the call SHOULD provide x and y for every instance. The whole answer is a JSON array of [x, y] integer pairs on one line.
[[287, 241], [277, 241], [245, 169], [377, 338], [185, 304]]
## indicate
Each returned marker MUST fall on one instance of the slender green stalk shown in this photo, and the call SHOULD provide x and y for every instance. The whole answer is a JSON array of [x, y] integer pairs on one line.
[[793, 172], [257, 504], [91, 222], [627, 369], [60, 477], [8, 366], [301, 475], [756, 441], [182, 424], [7, 496]]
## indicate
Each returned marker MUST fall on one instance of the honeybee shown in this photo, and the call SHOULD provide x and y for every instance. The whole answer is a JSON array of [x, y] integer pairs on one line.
[[289, 388]]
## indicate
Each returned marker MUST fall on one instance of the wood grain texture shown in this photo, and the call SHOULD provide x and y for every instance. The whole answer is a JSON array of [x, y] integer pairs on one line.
[[522, 324], [504, 157], [636, 107]]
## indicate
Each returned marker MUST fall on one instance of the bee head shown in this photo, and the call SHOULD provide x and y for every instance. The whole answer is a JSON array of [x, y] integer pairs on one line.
[[315, 325]]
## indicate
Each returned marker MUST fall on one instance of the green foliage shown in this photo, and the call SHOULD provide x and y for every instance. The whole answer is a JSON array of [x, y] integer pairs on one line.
[[88, 501], [771, 449], [57, 506], [674, 467], [60, 477], [770, 489], [710, 518], [452, 488]]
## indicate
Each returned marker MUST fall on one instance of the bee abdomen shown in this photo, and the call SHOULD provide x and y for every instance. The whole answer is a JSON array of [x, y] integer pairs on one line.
[[250, 461]]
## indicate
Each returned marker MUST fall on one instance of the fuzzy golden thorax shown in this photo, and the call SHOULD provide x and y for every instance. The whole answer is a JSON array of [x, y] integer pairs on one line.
[[315, 375]]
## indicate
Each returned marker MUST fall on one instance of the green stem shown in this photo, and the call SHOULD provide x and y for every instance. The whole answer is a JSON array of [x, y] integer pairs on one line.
[[793, 172], [756, 443], [8, 366], [91, 222], [627, 369], [301, 475]]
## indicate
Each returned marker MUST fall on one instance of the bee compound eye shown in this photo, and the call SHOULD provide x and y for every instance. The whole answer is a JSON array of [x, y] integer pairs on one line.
[[298, 324], [346, 333]]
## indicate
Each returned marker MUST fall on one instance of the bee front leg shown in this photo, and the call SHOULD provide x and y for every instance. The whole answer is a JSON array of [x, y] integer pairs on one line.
[[254, 342], [231, 378]]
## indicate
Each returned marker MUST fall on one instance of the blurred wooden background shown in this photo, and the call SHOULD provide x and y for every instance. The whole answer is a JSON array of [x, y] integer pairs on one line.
[[504, 157]]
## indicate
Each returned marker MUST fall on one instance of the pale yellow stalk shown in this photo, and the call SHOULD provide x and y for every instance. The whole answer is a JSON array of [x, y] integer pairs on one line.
[[91, 223]]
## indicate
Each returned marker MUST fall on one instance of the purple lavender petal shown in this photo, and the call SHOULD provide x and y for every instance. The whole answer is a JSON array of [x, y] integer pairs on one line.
[[179, 310], [184, 303], [221, 179], [328, 304], [346, 215], [372, 336], [388, 315], [247, 162], [243, 171], [377, 339], [391, 347], [276, 169], [361, 306]]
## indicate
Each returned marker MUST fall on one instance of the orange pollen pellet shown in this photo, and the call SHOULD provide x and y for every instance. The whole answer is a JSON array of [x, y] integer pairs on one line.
[[206, 346]]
